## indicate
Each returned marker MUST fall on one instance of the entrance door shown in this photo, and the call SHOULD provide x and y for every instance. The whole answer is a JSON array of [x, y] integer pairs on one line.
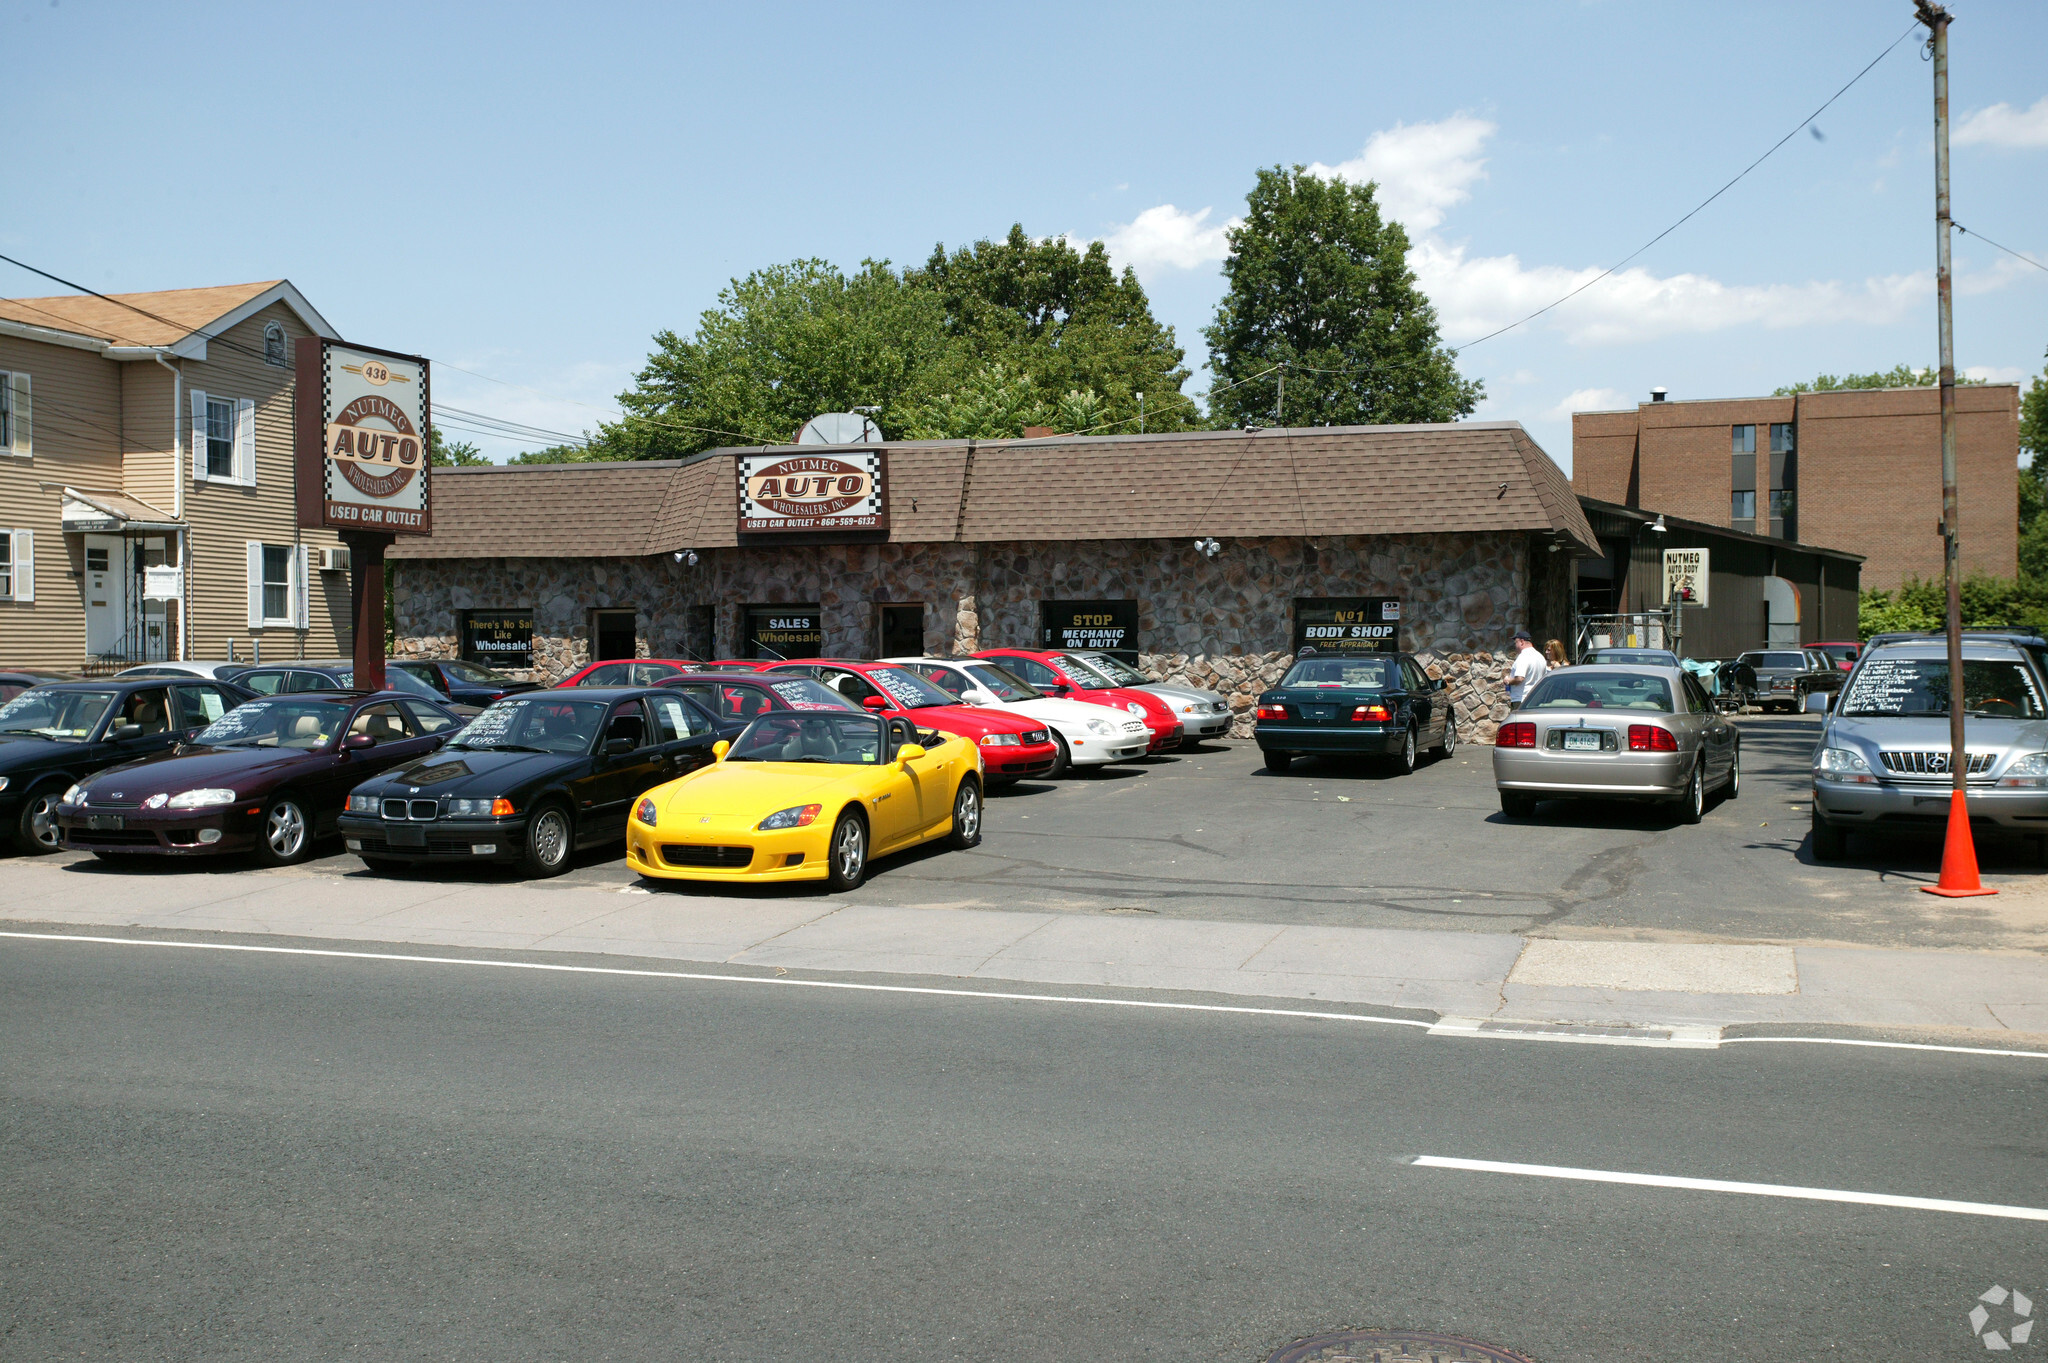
[[105, 600], [902, 629], [617, 635]]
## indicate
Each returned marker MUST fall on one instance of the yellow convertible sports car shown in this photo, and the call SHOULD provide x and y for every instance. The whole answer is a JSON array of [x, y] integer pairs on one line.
[[809, 795]]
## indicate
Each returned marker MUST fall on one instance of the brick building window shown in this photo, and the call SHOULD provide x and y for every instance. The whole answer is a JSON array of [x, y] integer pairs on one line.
[[1744, 440], [1781, 502], [1781, 437], [1742, 508]]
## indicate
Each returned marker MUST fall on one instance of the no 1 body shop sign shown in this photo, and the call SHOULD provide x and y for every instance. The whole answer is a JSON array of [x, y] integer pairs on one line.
[[1346, 625], [363, 417]]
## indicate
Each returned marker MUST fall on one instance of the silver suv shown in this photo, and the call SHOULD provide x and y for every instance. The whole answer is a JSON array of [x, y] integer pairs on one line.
[[1882, 763]]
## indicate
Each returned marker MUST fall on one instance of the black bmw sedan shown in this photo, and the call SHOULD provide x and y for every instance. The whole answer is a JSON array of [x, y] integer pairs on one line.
[[532, 779], [1379, 705]]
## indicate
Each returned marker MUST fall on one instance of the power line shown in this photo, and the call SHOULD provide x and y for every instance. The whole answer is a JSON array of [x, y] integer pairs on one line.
[[2007, 249], [1910, 29]]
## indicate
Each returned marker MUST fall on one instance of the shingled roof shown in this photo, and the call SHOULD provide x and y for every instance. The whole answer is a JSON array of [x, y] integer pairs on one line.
[[1315, 481]]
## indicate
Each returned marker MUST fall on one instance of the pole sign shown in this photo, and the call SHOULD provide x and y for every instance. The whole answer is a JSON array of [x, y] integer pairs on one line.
[[1091, 626], [781, 493], [1685, 576], [362, 422], [1346, 626], [498, 638]]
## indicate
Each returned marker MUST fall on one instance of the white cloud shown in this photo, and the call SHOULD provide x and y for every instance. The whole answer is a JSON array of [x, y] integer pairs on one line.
[[1166, 237], [1422, 168], [1589, 400], [2001, 125], [1994, 373]]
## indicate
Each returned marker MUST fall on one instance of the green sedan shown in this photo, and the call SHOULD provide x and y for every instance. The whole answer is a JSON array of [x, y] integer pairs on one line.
[[1379, 705]]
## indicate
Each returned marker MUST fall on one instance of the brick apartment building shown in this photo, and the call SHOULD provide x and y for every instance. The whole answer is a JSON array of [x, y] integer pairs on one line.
[[1857, 470]]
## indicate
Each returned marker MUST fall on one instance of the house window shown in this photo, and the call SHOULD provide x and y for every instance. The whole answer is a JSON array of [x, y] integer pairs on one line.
[[1744, 441], [6, 411], [1781, 437], [275, 349], [277, 582], [6, 566], [220, 437], [1743, 506]]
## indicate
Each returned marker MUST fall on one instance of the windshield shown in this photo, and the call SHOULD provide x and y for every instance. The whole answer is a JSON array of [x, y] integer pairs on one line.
[[1581, 688], [907, 689], [67, 716], [804, 694], [398, 679], [534, 723], [1651, 657], [1919, 686], [1116, 669], [1360, 674], [1001, 684], [280, 723], [1084, 676], [786, 737], [1794, 660], [482, 676]]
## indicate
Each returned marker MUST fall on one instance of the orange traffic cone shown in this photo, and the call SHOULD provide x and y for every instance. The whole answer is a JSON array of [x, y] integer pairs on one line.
[[1958, 856]]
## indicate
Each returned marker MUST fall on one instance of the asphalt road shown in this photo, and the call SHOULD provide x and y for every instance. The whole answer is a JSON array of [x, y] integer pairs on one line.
[[1211, 834], [227, 1155]]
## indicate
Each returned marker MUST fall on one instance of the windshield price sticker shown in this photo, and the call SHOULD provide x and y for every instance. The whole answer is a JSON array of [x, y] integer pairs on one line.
[[492, 724], [797, 693], [908, 690], [1346, 625], [238, 721]]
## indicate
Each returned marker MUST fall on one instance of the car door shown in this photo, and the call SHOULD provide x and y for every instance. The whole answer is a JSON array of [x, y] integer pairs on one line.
[[624, 776], [198, 706], [1037, 673], [1716, 734], [609, 674], [685, 733], [894, 809], [149, 709]]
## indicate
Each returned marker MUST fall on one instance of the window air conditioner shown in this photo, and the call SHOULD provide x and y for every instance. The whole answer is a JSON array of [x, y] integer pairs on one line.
[[334, 560]]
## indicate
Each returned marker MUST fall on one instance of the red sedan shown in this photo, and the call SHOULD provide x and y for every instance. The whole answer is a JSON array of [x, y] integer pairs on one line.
[[628, 672], [1062, 674], [1012, 746]]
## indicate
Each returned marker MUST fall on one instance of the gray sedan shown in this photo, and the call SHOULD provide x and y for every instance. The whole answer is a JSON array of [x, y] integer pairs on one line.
[[1616, 733]]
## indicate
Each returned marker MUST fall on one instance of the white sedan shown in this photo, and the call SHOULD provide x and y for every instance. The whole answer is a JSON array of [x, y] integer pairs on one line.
[[1087, 735]]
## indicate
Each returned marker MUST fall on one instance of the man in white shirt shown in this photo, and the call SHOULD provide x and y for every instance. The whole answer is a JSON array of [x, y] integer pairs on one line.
[[1528, 669]]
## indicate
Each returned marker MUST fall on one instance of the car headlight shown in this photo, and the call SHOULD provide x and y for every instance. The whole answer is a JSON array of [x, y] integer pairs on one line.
[[1135, 708], [1190, 709], [156, 801], [204, 798], [1843, 764], [646, 813], [801, 816], [1101, 726], [3, 783], [75, 795], [999, 740], [2027, 771], [479, 809], [362, 804]]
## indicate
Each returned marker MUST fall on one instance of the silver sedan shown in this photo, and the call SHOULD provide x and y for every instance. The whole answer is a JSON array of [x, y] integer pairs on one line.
[[1616, 733]]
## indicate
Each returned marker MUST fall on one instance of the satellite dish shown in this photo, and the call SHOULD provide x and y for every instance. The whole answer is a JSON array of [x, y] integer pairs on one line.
[[839, 428]]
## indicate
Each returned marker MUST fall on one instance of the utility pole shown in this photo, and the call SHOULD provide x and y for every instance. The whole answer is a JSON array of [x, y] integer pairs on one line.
[[1959, 857], [1280, 400], [1141, 414]]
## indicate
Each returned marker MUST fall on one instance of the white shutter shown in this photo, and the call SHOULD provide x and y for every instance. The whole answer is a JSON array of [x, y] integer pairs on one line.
[[245, 442], [255, 584], [198, 435], [24, 417], [24, 565], [301, 582]]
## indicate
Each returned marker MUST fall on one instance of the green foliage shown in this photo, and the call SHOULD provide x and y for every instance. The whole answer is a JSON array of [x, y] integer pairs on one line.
[[1319, 282], [993, 402], [1898, 376], [2034, 422], [441, 454], [1987, 602]]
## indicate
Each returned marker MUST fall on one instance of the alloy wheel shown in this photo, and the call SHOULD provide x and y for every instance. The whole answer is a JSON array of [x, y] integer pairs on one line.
[[285, 829], [550, 838], [42, 822], [850, 850], [1450, 745], [967, 813], [1408, 750]]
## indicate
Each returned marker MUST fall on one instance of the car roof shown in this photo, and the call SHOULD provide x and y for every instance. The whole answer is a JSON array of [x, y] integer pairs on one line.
[[1979, 648], [589, 692], [758, 678], [1646, 669]]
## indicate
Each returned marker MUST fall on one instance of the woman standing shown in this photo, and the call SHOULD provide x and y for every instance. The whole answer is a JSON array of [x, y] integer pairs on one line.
[[1553, 653]]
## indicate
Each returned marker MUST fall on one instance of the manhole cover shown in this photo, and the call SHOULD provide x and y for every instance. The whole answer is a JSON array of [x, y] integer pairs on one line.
[[1392, 1346]]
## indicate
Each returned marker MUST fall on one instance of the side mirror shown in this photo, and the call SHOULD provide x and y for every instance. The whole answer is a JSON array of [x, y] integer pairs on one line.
[[1436, 683], [617, 747], [1062, 689], [977, 696], [875, 703], [910, 752], [719, 750], [122, 732], [359, 741]]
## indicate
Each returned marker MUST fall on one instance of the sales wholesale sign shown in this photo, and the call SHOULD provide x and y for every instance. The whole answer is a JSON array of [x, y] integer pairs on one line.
[[784, 632], [1345, 626], [1099, 626], [1685, 576], [361, 439], [498, 638], [781, 493]]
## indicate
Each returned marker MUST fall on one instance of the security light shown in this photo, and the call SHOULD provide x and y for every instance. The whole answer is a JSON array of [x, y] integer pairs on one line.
[[1658, 525], [687, 556]]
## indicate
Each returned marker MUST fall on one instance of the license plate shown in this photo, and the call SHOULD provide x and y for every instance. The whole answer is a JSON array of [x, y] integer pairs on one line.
[[1319, 712], [1582, 742], [106, 823], [406, 837]]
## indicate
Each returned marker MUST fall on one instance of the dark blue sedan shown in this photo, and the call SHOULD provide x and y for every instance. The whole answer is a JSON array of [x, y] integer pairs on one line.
[[1367, 705]]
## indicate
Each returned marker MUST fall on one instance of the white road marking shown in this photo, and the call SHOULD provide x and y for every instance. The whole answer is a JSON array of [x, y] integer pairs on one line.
[[1722, 1185], [1884, 1045]]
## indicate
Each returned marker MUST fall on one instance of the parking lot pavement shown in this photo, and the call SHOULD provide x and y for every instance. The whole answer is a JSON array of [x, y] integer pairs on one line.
[[1211, 835]]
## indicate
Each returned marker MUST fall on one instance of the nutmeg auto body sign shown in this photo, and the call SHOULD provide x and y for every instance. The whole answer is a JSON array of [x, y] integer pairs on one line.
[[363, 418], [814, 491]]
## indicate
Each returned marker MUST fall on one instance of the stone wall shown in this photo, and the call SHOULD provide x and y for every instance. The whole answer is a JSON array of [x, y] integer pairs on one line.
[[1224, 623]]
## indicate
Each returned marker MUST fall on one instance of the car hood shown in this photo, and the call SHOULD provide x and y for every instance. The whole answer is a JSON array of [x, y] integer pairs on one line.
[[1175, 693], [22, 750], [750, 791], [473, 772], [246, 771], [1059, 710], [970, 721], [1872, 735]]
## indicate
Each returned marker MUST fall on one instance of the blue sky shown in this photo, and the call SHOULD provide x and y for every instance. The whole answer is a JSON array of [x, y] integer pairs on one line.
[[530, 192]]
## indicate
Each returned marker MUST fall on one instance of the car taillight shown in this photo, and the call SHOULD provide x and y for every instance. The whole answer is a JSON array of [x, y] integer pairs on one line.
[[1272, 712], [1520, 734], [1651, 738], [1372, 712]]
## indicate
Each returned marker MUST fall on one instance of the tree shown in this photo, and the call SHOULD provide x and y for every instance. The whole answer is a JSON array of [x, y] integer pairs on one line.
[[441, 454], [994, 402], [1898, 376], [2034, 481], [1319, 283]]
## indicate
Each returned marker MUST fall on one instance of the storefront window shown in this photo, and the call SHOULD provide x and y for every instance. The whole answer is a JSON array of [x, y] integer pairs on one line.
[[498, 638], [783, 632]]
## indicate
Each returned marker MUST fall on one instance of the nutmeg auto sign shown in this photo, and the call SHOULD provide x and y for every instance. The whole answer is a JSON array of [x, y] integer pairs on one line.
[[363, 418], [799, 492]]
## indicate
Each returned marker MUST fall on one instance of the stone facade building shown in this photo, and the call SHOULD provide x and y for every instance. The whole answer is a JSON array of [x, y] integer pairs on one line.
[[1216, 540]]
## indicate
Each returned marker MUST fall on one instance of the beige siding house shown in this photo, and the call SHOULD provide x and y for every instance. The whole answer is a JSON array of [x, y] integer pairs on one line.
[[146, 483]]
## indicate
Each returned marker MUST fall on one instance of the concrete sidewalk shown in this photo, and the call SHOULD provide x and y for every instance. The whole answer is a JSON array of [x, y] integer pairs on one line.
[[1463, 975]]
